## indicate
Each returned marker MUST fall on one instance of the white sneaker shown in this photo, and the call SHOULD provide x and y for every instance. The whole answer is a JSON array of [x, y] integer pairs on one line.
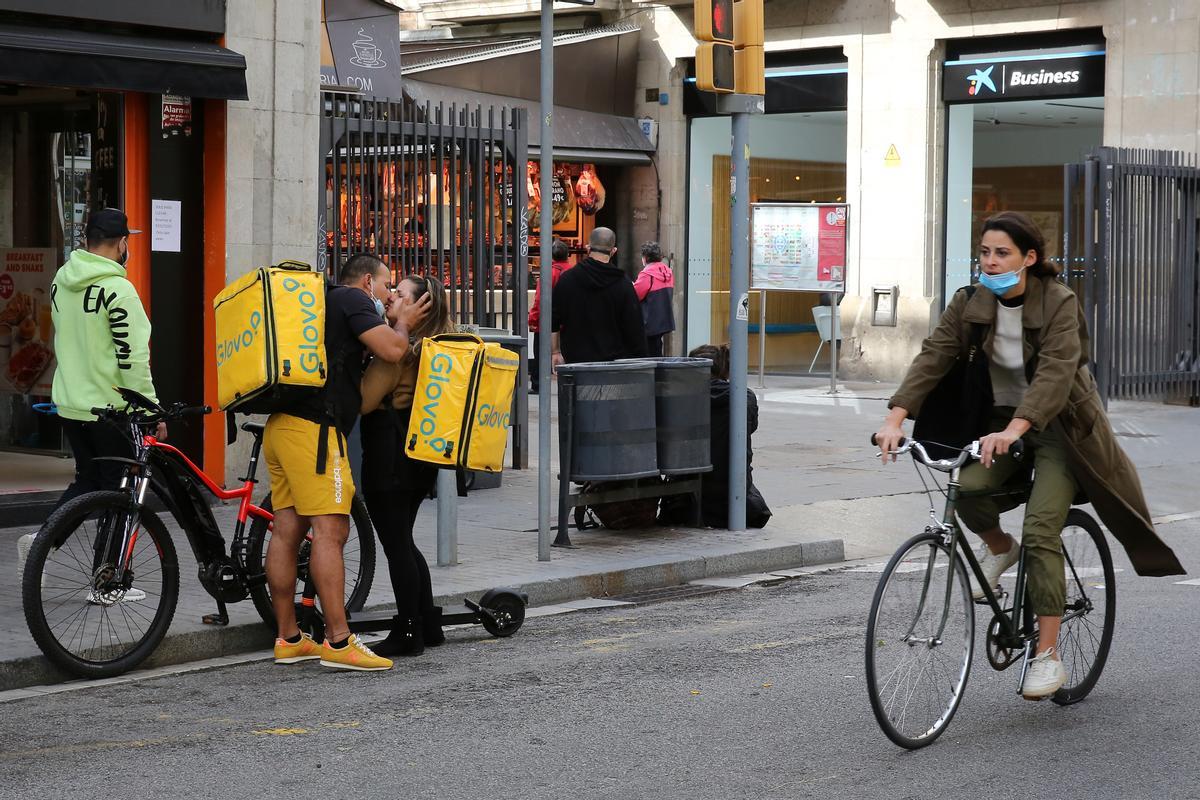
[[1045, 676], [95, 598], [993, 565], [23, 545]]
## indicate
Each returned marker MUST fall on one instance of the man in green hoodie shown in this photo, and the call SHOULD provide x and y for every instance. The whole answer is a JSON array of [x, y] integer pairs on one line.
[[101, 340]]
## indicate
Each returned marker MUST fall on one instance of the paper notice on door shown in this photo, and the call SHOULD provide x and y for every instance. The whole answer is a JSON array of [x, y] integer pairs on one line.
[[165, 221]]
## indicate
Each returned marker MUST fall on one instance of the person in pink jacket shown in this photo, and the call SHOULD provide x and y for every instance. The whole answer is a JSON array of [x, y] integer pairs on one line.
[[655, 288]]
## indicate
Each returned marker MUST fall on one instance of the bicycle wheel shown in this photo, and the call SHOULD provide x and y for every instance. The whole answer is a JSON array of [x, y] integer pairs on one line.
[[920, 639], [84, 621], [1087, 625], [358, 554]]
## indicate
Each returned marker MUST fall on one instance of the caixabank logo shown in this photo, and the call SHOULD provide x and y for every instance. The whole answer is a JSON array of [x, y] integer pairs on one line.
[[981, 79]]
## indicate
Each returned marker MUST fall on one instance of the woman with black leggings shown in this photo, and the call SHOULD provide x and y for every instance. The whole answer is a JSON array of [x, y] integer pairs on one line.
[[394, 484]]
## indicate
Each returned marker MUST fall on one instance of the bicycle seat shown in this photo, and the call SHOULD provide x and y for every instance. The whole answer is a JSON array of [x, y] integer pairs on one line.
[[257, 428]]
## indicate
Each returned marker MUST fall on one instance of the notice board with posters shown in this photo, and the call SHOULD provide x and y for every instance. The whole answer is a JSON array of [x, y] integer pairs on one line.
[[798, 248]]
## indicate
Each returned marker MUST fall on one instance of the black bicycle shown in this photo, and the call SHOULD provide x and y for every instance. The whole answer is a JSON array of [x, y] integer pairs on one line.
[[101, 581], [921, 630]]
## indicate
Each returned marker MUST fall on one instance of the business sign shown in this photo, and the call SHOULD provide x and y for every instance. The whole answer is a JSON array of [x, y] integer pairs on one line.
[[1021, 77], [799, 248], [360, 47]]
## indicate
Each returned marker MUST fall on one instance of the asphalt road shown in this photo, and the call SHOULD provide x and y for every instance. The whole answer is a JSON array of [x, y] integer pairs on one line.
[[752, 693]]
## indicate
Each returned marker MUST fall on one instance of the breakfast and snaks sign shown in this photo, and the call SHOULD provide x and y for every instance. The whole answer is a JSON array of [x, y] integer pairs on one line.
[[26, 330]]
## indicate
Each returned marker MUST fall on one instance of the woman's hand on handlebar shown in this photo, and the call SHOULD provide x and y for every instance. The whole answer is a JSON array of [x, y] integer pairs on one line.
[[889, 437], [160, 432], [998, 444]]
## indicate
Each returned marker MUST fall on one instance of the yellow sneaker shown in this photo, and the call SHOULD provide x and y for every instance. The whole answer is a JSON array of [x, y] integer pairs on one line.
[[355, 655], [305, 650]]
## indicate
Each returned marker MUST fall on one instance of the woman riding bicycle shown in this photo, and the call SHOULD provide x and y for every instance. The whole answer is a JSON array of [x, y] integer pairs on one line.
[[1043, 393], [394, 484]]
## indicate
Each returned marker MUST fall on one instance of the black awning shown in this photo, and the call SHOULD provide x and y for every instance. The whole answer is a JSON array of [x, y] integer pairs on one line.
[[578, 135], [95, 60]]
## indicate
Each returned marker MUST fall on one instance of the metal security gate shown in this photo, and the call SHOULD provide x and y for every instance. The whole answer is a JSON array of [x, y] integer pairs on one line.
[[1132, 242], [438, 192], [433, 191]]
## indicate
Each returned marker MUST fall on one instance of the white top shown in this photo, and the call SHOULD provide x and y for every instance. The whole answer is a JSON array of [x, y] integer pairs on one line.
[[1008, 357]]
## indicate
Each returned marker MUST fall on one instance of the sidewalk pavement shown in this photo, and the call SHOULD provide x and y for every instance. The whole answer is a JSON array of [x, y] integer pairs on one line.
[[831, 498]]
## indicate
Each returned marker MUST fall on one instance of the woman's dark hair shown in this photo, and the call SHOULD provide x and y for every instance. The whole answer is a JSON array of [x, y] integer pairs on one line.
[[652, 252], [719, 354], [559, 250], [1026, 236]]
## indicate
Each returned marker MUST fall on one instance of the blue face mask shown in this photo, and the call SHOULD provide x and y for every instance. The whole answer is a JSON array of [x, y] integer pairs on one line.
[[1002, 283], [379, 309]]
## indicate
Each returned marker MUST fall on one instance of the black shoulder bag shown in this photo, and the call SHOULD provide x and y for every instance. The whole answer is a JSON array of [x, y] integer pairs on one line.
[[957, 411]]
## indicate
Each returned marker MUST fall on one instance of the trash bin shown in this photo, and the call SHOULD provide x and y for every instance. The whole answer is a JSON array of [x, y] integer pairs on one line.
[[683, 411], [607, 408]]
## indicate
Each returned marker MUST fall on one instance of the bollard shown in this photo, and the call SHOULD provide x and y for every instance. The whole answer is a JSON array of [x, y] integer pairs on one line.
[[447, 518]]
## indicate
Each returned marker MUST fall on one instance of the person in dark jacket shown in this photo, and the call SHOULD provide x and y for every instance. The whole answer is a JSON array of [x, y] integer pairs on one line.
[[655, 288], [559, 253], [714, 486], [596, 314]]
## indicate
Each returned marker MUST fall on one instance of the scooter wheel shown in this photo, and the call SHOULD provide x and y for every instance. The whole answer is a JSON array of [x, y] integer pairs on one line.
[[507, 614]]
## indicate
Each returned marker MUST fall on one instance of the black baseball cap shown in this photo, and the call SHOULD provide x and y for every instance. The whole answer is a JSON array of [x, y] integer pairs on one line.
[[108, 223]]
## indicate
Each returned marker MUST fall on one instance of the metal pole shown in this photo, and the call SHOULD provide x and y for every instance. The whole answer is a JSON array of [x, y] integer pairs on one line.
[[447, 518], [833, 342], [762, 338], [544, 234], [739, 283]]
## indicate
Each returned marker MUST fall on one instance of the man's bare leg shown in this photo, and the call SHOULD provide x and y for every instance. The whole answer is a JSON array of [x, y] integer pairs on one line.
[[282, 552], [328, 571]]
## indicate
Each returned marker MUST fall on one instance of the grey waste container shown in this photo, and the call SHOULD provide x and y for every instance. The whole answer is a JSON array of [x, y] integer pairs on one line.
[[683, 411], [682, 408], [607, 409]]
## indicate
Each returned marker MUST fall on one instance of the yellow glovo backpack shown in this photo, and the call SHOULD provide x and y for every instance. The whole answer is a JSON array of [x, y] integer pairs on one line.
[[462, 403], [270, 326]]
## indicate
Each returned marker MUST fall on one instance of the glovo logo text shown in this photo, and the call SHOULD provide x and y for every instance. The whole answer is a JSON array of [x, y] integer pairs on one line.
[[230, 347], [310, 356], [490, 417], [440, 368]]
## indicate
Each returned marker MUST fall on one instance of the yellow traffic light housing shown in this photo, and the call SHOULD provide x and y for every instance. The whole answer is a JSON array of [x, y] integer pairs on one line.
[[715, 67], [750, 70]]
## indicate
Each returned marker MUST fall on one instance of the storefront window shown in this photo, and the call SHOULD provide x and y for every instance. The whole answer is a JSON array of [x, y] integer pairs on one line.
[[796, 158], [46, 140], [1009, 157]]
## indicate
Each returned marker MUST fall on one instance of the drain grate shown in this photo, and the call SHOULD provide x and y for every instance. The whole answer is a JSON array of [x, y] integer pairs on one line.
[[681, 592]]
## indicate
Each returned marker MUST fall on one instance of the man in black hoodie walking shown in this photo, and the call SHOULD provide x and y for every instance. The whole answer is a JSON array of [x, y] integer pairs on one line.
[[596, 314]]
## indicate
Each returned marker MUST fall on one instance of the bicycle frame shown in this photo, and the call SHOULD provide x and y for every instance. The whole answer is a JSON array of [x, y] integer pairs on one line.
[[155, 458], [1012, 632]]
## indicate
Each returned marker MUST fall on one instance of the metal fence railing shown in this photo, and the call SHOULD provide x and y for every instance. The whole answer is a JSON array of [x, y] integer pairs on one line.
[[1132, 242], [433, 190]]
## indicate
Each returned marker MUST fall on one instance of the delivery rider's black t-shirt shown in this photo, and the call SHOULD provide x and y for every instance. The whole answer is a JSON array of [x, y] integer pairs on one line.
[[349, 312]]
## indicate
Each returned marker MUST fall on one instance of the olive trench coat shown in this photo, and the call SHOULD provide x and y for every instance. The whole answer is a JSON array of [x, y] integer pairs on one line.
[[1062, 393]]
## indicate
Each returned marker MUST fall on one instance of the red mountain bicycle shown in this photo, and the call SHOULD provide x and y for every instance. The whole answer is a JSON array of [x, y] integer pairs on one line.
[[101, 582]]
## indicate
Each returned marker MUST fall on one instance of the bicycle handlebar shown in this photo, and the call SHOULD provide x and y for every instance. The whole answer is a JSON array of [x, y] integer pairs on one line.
[[141, 417], [1017, 450]]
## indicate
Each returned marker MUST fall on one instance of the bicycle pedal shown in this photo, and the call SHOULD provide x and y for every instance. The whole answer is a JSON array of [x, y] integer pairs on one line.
[[215, 619]]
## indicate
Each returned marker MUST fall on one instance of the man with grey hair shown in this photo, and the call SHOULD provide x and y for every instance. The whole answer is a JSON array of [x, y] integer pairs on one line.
[[596, 314]]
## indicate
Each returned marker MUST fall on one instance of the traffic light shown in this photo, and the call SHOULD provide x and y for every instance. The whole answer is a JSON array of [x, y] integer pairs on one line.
[[715, 20], [715, 67], [730, 54]]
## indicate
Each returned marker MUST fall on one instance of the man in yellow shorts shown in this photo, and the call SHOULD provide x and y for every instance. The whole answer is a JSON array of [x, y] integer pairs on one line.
[[305, 451]]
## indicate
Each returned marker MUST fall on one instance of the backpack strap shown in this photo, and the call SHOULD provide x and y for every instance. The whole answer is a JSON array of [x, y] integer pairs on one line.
[[323, 446]]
